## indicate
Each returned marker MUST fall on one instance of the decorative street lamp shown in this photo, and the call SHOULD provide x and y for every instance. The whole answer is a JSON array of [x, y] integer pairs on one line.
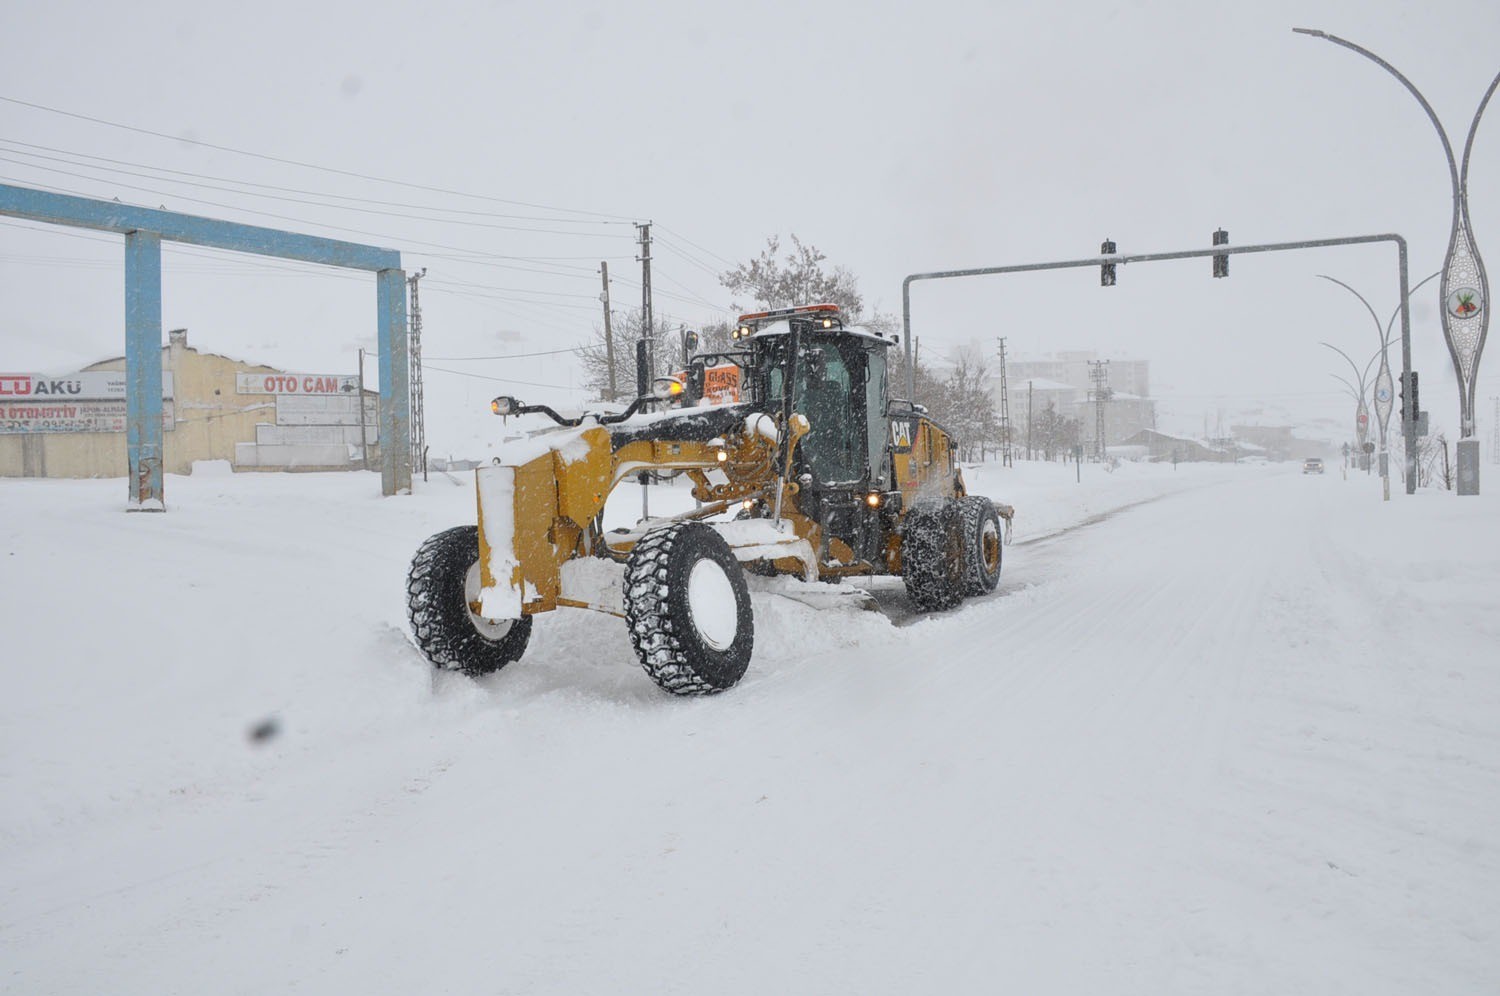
[[1465, 288], [1383, 383], [1361, 411]]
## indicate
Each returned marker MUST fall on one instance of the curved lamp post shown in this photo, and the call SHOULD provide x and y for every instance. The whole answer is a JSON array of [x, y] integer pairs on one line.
[[1361, 411], [1382, 379], [1465, 288]]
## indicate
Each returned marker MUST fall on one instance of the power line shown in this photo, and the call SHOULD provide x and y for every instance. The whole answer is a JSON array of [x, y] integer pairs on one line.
[[303, 165], [508, 356], [502, 380], [479, 260], [521, 300], [293, 200], [512, 290], [662, 293], [711, 271], [695, 245], [233, 264], [692, 294], [272, 186]]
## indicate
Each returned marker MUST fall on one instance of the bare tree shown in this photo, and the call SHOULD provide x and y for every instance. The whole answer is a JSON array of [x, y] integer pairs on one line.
[[1053, 432], [665, 349], [963, 404], [798, 277], [1430, 458]]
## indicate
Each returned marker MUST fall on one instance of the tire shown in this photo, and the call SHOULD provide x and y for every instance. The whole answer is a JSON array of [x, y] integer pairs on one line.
[[442, 581], [932, 555], [982, 544], [688, 609]]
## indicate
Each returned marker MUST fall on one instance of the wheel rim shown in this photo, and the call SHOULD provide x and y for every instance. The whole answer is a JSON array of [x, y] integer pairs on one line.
[[490, 629], [989, 546], [712, 605]]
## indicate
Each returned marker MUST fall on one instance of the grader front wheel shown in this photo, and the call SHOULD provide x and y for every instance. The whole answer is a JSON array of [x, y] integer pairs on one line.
[[932, 555], [442, 588], [688, 609]]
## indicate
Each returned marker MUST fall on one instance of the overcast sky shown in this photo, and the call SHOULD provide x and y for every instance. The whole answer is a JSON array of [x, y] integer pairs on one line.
[[897, 138]]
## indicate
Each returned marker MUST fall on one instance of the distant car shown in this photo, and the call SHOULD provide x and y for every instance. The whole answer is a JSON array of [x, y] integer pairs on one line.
[[1312, 465]]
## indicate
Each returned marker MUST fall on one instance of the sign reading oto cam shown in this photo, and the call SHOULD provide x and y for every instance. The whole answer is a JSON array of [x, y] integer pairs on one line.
[[286, 383]]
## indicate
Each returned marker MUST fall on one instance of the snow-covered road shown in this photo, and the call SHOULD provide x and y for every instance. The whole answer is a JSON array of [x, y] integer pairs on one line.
[[1242, 735]]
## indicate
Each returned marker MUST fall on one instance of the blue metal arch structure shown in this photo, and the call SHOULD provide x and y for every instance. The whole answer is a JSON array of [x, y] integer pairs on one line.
[[144, 230]]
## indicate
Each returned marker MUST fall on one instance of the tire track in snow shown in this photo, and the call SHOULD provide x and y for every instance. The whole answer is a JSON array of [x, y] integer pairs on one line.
[[1049, 660]]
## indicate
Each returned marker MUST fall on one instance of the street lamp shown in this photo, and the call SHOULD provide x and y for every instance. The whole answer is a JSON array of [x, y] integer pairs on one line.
[[1465, 288], [1383, 382], [1361, 412]]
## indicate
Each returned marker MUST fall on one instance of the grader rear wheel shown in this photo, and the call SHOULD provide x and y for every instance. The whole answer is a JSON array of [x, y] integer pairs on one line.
[[981, 529]]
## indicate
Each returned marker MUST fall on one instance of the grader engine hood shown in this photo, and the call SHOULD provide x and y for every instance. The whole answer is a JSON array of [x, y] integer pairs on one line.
[[533, 507]]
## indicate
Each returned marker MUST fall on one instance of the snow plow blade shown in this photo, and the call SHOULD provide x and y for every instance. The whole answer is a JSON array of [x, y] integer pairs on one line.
[[533, 512]]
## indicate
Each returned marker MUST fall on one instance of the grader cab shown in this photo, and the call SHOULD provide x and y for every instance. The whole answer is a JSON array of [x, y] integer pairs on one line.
[[800, 464]]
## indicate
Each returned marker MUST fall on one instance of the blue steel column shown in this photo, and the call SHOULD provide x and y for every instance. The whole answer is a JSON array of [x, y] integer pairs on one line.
[[143, 409], [395, 390]]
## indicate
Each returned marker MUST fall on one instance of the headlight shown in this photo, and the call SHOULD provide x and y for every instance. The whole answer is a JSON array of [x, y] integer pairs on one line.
[[504, 405], [667, 387]]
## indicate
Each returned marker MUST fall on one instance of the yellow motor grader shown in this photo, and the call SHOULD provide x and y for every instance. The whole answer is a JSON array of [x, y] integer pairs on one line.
[[801, 464]]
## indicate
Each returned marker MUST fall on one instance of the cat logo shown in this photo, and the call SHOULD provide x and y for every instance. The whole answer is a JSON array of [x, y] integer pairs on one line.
[[901, 435]]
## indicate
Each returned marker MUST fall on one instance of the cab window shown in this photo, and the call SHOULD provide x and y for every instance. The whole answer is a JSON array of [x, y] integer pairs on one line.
[[831, 394]]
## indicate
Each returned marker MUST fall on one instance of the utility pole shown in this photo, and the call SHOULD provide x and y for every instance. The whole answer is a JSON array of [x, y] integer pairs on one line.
[[1005, 455], [1030, 391], [1099, 375], [414, 348], [609, 337], [364, 445], [644, 365], [648, 325]]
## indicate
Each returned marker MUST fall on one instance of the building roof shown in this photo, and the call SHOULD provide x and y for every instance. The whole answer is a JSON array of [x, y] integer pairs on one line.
[[1043, 384]]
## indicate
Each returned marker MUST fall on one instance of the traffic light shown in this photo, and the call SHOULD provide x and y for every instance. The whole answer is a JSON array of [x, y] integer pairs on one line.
[[1106, 270], [689, 344], [1221, 263], [1410, 403]]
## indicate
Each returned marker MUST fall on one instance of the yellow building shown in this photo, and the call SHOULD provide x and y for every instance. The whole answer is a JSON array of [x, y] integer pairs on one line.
[[216, 408]]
